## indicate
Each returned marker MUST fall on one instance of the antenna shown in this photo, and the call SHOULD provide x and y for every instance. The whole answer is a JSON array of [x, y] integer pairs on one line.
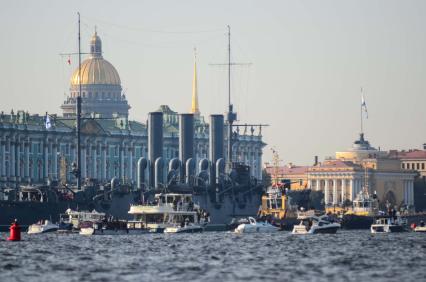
[[231, 115], [362, 127]]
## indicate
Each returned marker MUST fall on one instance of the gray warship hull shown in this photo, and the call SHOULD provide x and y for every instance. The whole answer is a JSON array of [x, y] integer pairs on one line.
[[29, 212]]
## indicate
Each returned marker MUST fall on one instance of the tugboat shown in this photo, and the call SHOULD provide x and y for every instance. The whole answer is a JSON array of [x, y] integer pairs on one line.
[[312, 224], [364, 209]]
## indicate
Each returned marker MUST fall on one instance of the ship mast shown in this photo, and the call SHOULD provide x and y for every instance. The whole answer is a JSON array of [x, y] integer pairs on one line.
[[276, 165], [78, 110], [231, 116]]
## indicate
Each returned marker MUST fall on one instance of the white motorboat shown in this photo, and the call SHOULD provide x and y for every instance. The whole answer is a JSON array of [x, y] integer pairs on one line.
[[255, 227], [187, 228], [312, 224], [42, 227], [420, 229], [388, 224]]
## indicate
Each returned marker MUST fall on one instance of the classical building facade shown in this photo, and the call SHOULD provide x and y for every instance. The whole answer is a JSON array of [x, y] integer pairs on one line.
[[31, 153], [413, 159], [343, 177]]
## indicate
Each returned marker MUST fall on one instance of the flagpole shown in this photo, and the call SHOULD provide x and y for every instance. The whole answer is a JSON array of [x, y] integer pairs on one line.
[[78, 110], [362, 127]]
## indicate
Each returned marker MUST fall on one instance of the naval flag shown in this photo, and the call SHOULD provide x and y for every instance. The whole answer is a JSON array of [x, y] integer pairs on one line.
[[364, 105], [48, 124]]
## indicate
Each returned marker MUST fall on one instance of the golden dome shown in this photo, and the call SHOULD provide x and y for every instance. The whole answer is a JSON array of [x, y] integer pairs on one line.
[[96, 70]]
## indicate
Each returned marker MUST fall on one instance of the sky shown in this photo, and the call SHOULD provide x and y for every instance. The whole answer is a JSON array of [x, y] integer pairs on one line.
[[308, 62]]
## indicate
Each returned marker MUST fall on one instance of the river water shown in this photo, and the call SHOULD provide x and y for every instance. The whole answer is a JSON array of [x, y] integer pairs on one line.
[[216, 256]]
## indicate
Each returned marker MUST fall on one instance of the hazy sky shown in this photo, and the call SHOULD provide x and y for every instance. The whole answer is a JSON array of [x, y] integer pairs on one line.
[[309, 60]]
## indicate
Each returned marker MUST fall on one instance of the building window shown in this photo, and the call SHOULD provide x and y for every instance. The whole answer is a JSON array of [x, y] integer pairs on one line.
[[403, 166], [423, 166], [418, 166]]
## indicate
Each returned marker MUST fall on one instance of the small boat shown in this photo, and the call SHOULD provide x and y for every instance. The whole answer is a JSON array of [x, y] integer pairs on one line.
[[72, 219], [312, 224], [187, 228], [388, 224], [419, 228], [256, 227], [42, 227], [117, 227]]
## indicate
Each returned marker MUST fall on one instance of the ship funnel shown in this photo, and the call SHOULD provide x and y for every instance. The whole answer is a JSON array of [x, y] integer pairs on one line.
[[186, 141], [216, 142], [155, 143], [140, 181]]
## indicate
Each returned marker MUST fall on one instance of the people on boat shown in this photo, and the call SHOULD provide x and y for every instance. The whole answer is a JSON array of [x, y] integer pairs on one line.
[[422, 223]]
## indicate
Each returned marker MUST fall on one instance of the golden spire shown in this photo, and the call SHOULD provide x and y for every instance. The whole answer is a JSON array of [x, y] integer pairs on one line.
[[195, 108]]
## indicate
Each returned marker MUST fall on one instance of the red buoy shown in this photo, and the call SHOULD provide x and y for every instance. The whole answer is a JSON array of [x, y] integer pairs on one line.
[[15, 232]]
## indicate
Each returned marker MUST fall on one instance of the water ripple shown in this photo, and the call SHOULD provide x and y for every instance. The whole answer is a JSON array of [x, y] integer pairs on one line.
[[346, 256]]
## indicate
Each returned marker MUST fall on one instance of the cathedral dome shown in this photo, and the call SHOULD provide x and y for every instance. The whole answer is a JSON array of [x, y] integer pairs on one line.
[[95, 69]]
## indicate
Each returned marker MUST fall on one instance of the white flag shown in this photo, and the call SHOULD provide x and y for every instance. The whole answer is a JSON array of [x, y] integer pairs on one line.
[[364, 105], [48, 124]]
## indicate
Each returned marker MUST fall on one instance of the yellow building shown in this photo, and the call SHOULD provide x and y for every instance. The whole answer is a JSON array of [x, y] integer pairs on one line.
[[413, 159], [342, 178]]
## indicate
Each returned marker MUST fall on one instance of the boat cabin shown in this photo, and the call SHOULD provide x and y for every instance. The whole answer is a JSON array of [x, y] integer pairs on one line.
[[273, 204]]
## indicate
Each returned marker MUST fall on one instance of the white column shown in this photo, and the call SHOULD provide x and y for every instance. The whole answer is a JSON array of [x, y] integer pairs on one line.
[[94, 152], [334, 191], [309, 184], [122, 173], [44, 146], [343, 190], [405, 190], [12, 158], [104, 167], [83, 162], [411, 189], [27, 159], [55, 160], [318, 184], [351, 190], [326, 192], [131, 163], [3, 157]]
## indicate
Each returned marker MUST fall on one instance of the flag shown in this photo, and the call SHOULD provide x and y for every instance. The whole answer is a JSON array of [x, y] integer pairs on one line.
[[364, 105], [48, 124]]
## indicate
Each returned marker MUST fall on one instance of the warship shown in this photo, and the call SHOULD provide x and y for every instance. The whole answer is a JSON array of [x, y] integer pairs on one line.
[[219, 185]]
